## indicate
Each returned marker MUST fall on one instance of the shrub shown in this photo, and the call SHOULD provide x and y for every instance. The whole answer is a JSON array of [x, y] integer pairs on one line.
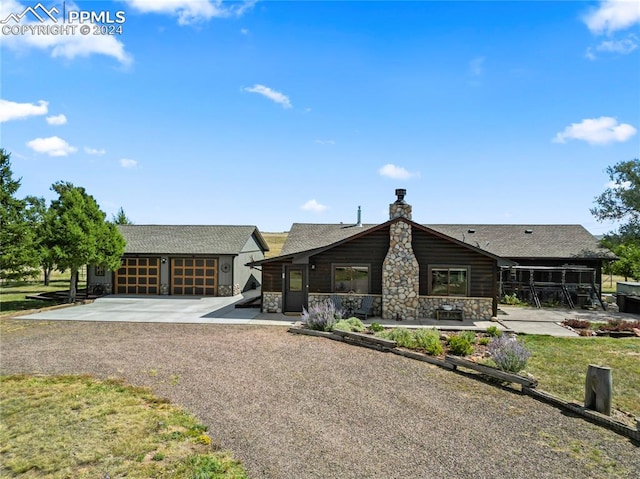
[[513, 300], [356, 325], [321, 316], [376, 327], [402, 336], [484, 341], [494, 332], [577, 323], [460, 344], [429, 340], [351, 324], [619, 325], [341, 325], [469, 336], [509, 354]]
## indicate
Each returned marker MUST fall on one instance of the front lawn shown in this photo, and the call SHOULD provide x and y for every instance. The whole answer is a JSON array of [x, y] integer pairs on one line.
[[560, 365], [75, 426], [12, 295]]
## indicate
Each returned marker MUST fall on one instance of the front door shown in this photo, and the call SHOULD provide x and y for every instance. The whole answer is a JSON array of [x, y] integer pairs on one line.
[[295, 288]]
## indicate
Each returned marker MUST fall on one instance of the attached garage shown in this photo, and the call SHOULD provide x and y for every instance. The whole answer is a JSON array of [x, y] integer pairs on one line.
[[184, 261], [138, 276], [194, 276]]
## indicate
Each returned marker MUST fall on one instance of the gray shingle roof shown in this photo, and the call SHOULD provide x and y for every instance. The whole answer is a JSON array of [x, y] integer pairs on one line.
[[189, 239], [544, 241], [306, 236], [506, 241]]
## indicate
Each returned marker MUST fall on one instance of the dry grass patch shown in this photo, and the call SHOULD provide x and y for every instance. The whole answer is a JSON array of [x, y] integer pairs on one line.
[[76, 426], [275, 242]]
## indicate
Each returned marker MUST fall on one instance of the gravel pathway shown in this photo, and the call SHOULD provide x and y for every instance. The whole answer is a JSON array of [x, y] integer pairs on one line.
[[292, 406]]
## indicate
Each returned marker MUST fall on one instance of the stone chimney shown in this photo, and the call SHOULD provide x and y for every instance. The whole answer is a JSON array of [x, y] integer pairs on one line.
[[400, 270]]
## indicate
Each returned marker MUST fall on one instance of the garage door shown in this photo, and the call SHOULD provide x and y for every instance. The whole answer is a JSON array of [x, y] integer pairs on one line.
[[138, 276], [194, 276]]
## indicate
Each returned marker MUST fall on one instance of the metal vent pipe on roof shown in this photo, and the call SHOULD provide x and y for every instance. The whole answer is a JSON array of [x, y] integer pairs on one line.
[[359, 222]]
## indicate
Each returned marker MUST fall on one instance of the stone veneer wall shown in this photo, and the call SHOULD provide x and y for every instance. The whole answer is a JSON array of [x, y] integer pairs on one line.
[[315, 298], [271, 302], [225, 290], [400, 270], [474, 308], [236, 289]]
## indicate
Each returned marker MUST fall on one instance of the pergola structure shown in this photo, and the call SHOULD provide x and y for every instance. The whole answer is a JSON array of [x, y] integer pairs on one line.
[[572, 285]]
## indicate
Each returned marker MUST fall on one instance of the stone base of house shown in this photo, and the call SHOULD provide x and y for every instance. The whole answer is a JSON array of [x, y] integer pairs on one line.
[[236, 289], [225, 290], [271, 302], [473, 308]]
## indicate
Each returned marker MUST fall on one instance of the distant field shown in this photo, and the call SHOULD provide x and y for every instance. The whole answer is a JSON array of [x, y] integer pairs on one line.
[[275, 242]]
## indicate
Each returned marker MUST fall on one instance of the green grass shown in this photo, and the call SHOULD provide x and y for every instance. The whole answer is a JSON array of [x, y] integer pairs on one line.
[[560, 365], [12, 295], [76, 426]]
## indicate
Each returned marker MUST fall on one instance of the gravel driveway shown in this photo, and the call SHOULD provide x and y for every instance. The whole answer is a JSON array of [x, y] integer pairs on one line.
[[292, 406]]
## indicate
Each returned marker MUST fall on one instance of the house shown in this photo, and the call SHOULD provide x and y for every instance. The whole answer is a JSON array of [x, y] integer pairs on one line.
[[557, 263], [413, 270], [183, 260]]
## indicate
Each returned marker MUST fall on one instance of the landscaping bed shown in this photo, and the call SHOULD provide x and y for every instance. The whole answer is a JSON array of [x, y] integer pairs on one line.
[[617, 328]]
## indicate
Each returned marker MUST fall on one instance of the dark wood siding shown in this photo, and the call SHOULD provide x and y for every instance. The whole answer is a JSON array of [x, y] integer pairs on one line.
[[370, 249], [431, 250], [272, 276]]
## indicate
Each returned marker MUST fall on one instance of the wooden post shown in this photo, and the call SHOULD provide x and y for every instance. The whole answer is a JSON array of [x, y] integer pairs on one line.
[[598, 389]]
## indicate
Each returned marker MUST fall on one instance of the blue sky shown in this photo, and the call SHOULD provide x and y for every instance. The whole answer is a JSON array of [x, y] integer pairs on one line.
[[269, 113]]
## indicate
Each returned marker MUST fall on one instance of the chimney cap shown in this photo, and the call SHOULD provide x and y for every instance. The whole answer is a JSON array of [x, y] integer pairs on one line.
[[400, 193]]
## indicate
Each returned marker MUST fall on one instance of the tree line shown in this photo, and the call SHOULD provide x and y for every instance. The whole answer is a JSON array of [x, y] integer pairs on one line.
[[72, 231], [621, 202], [69, 233]]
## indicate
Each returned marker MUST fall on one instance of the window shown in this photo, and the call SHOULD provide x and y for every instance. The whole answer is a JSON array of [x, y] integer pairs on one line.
[[99, 271], [449, 281], [351, 278]]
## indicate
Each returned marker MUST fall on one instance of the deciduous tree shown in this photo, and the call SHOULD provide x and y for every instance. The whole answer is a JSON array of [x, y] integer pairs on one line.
[[621, 201]]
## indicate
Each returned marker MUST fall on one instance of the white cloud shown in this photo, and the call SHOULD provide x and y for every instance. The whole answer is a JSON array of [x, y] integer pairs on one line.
[[52, 146], [127, 163], [67, 45], [270, 94], [325, 142], [597, 131], [313, 205], [57, 120], [244, 31], [396, 172], [94, 151], [612, 15], [476, 66], [624, 46], [10, 110], [191, 11]]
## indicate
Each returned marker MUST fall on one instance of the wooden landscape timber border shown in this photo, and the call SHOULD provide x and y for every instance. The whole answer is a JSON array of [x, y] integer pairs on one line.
[[453, 362]]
